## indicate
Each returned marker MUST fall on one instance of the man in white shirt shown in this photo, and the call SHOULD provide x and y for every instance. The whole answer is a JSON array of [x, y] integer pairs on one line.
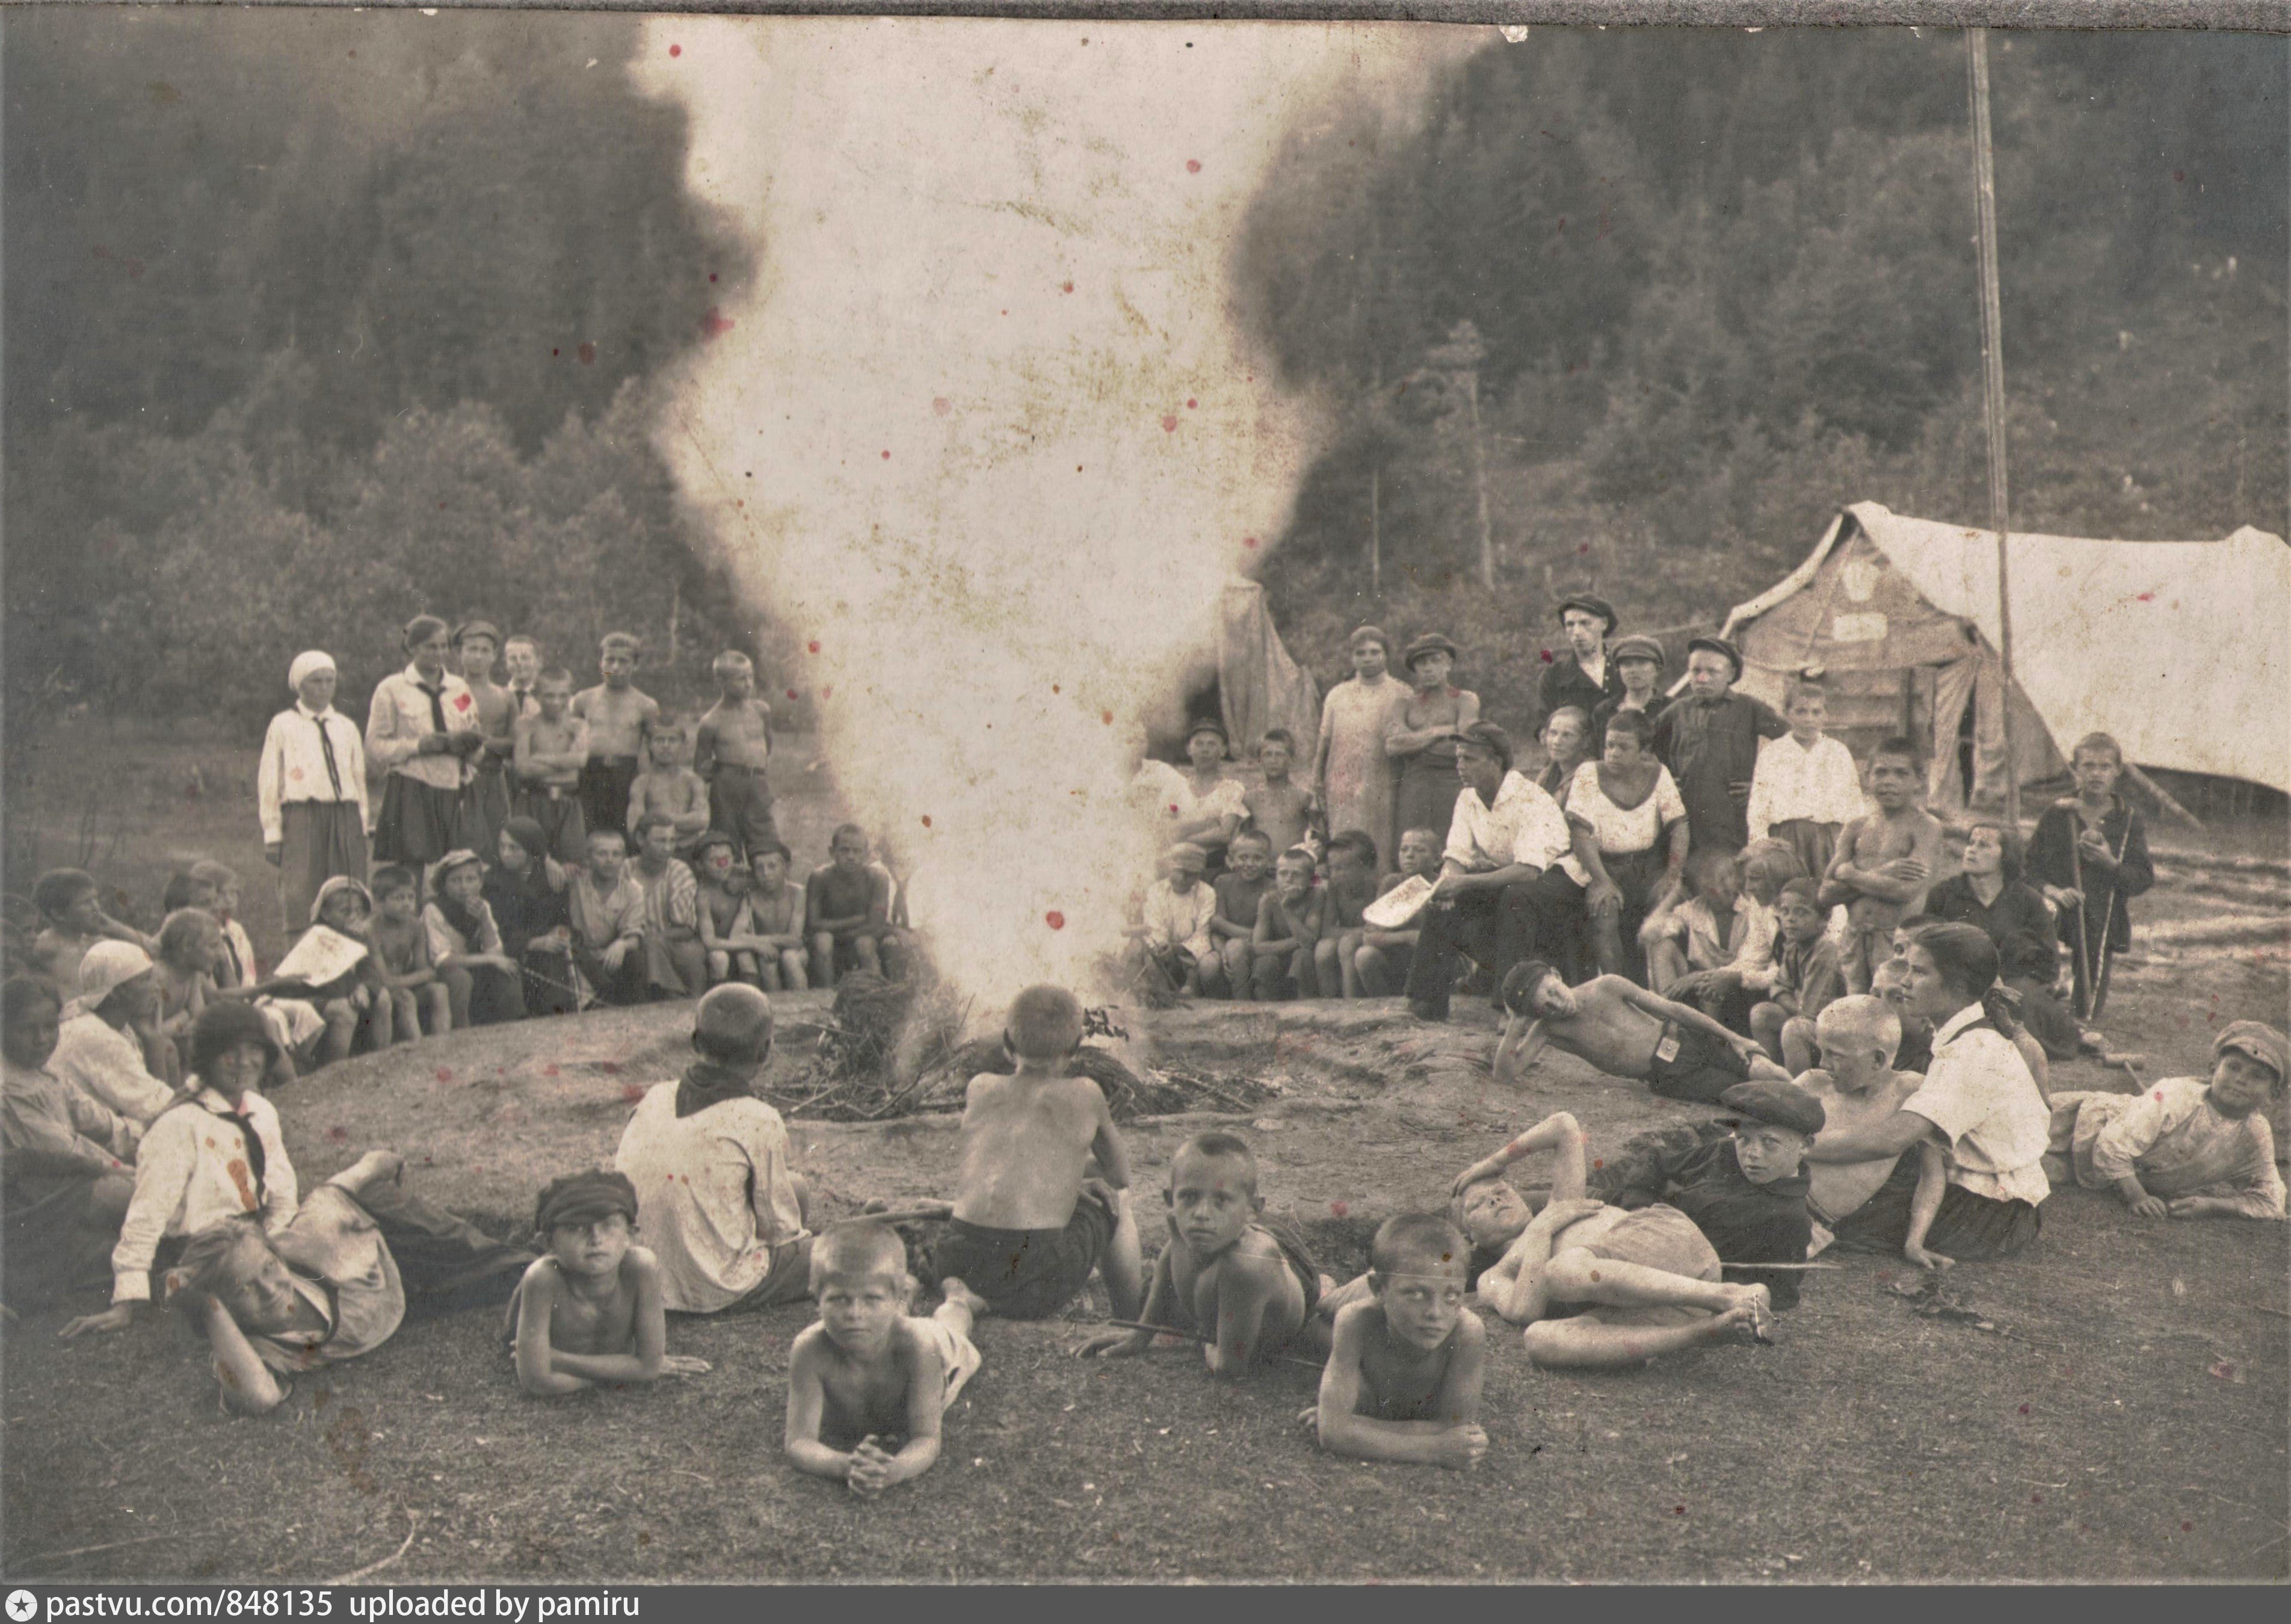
[[1489, 902]]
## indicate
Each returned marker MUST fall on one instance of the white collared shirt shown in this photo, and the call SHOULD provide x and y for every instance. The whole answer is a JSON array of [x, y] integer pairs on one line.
[[192, 1172], [1820, 785], [1979, 1093], [1525, 825], [1174, 920], [399, 719], [715, 1199], [294, 765], [1750, 949]]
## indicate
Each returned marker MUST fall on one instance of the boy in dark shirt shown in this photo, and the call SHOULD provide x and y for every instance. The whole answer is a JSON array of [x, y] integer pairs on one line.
[[2090, 854]]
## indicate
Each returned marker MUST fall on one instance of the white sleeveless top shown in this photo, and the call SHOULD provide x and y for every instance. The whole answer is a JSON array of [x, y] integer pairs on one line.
[[1620, 831]]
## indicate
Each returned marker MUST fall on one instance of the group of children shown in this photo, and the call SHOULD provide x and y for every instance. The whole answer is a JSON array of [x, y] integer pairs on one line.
[[1255, 899], [560, 849]]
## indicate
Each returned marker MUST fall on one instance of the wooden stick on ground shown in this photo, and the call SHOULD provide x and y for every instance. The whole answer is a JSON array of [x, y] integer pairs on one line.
[[904, 1214], [1781, 1266]]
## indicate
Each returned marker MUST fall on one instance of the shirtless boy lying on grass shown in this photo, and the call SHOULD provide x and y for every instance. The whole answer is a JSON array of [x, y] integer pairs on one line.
[[589, 1313], [1403, 1376], [1632, 1284], [1225, 1274], [1625, 1031], [868, 1383]]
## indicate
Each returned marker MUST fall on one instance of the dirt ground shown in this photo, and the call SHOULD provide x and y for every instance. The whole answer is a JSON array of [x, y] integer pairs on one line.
[[2125, 1419]]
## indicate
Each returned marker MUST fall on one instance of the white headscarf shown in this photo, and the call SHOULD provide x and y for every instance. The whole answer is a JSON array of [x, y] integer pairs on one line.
[[106, 967], [309, 661]]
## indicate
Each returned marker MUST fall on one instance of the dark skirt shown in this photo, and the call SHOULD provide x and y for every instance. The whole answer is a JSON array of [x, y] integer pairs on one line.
[[484, 809], [417, 821], [321, 838], [1426, 795], [1970, 1228]]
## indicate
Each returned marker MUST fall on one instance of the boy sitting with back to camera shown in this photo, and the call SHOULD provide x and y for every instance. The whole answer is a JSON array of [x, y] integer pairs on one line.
[[1228, 1275], [1031, 1217]]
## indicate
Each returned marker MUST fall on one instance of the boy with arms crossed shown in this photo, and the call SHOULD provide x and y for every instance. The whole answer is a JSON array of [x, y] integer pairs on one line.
[[668, 787], [1407, 1360], [1885, 864], [1029, 1220], [1225, 1274], [618, 713], [869, 1383], [551, 752], [731, 750], [588, 1311]]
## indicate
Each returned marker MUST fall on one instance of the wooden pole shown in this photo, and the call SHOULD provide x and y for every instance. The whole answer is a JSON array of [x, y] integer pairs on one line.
[[1992, 355], [1480, 481], [1375, 530]]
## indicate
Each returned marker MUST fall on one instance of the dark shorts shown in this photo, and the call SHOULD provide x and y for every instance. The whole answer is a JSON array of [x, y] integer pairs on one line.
[[604, 786], [1699, 1068], [740, 804], [1029, 1274], [563, 823], [1968, 1227]]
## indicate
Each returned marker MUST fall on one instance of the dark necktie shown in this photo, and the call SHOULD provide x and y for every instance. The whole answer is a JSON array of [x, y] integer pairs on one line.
[[327, 744], [255, 1153], [437, 705]]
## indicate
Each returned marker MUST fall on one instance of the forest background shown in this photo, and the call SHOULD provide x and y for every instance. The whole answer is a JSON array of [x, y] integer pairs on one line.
[[318, 319]]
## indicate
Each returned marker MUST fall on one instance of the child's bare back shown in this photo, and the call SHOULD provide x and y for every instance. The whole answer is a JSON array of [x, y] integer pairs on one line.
[[1026, 1140]]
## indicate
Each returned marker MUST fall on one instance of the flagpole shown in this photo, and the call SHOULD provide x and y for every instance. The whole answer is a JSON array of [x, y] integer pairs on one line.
[[1992, 355]]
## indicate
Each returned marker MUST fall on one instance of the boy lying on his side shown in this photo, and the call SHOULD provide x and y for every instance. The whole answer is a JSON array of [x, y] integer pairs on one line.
[[1625, 1031]]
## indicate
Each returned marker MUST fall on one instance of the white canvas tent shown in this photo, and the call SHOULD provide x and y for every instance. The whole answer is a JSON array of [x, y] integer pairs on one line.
[[1259, 686], [2180, 649]]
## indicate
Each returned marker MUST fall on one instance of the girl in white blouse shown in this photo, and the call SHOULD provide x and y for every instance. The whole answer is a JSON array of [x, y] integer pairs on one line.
[[1629, 826]]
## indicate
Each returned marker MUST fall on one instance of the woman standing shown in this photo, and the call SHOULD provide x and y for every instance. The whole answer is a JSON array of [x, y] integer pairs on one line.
[[1349, 766], [420, 730], [310, 789], [1421, 737], [1979, 1098]]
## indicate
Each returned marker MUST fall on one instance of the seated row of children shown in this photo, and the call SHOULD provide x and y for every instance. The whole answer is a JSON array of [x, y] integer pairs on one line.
[[520, 935]]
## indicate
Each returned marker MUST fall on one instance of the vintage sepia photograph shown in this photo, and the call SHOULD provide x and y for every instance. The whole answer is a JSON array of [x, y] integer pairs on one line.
[[1136, 799]]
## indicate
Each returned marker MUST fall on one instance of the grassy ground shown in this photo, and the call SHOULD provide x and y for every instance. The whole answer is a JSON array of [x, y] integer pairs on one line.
[[2126, 1419]]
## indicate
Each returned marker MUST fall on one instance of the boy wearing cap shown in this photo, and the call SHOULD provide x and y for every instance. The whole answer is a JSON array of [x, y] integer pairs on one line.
[[1174, 944], [588, 1311], [2187, 1146], [1639, 660], [1286, 813], [1708, 737], [1505, 837], [1885, 864], [618, 714], [1598, 1286], [1581, 674]]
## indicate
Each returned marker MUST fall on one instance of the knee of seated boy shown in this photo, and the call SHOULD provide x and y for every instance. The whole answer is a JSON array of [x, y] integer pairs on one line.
[[719, 965]]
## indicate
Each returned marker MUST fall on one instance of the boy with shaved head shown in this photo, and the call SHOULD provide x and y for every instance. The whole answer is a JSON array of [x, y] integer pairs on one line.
[[1227, 1273], [716, 1199], [1043, 1197], [868, 1383]]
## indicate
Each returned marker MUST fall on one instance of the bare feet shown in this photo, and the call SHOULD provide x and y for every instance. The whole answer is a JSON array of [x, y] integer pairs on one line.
[[955, 1292], [1753, 1307]]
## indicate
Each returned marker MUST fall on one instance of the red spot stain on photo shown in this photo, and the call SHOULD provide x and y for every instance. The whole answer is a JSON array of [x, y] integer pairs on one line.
[[630, 1094], [1249, 541], [1106, 717], [2147, 597], [548, 1071], [827, 693], [794, 695], [1193, 167], [445, 1073], [1598, 1161], [941, 404], [2024, 1410], [813, 645], [1191, 404], [1678, 1511], [1583, 547], [1547, 656], [586, 353], [676, 51], [611, 1068], [1054, 688], [926, 820], [1337, 1209], [1067, 287], [2036, 1499], [247, 1198], [711, 276], [715, 324], [339, 1135], [887, 456], [1055, 919], [1168, 425]]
